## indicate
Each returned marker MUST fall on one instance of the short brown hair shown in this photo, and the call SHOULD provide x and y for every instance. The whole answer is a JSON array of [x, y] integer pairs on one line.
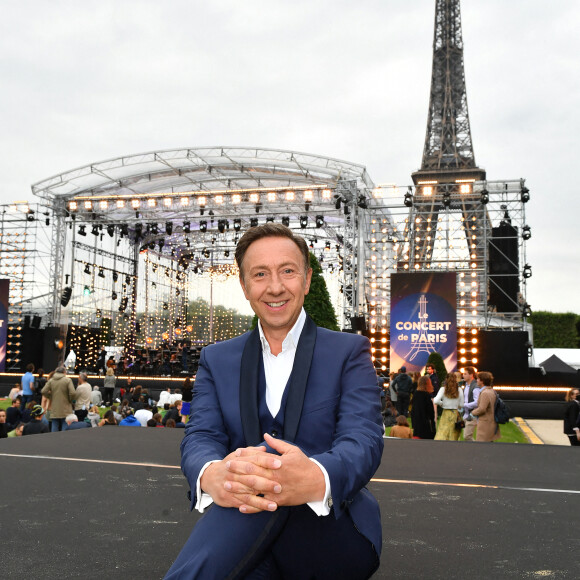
[[471, 371], [486, 378], [269, 230]]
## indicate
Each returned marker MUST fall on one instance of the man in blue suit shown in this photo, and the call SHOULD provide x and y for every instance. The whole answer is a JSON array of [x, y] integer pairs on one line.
[[285, 434]]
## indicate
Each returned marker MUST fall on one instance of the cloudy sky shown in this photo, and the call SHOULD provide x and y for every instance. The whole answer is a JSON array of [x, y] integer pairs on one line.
[[93, 80]]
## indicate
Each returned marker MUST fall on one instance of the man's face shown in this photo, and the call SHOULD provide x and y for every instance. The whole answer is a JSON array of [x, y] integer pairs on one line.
[[275, 282], [467, 377], [2, 416], [430, 370]]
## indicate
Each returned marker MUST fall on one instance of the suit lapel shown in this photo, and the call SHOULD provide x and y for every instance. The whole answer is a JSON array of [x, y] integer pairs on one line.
[[299, 378], [249, 375]]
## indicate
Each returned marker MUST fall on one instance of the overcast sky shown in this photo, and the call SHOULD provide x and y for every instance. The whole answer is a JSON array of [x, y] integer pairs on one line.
[[84, 81]]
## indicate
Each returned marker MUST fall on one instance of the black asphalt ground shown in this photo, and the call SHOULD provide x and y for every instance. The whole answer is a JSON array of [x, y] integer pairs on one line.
[[111, 503]]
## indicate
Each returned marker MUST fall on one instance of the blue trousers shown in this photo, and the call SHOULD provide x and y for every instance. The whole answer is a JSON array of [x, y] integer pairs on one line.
[[292, 543]]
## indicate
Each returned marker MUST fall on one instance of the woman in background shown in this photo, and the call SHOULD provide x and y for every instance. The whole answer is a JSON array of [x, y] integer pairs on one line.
[[450, 398], [422, 413], [571, 416]]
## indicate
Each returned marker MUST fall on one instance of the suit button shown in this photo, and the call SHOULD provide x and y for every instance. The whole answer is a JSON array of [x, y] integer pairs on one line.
[[274, 433]]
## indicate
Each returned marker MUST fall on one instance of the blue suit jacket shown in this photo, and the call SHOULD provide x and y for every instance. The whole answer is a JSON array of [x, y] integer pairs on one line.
[[332, 413]]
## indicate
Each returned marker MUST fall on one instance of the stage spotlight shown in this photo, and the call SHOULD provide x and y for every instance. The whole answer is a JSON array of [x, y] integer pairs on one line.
[[527, 271], [526, 232], [485, 197], [269, 220], [327, 246], [186, 227], [95, 230], [362, 202], [114, 295], [124, 230], [253, 222], [408, 201], [303, 221], [319, 221], [237, 224], [206, 253], [154, 228], [111, 230], [168, 228], [87, 291], [115, 276], [221, 226], [101, 273], [227, 253], [258, 207], [138, 231], [160, 243], [82, 230], [338, 201], [87, 269], [203, 226], [286, 221], [123, 305], [526, 310], [127, 280], [525, 194], [446, 200]]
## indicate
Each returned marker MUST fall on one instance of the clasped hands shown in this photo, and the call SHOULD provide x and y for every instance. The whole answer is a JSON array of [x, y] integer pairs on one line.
[[253, 480]]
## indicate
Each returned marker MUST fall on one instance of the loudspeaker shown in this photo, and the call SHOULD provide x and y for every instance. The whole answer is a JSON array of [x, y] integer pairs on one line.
[[504, 283], [505, 355], [358, 323], [36, 320]]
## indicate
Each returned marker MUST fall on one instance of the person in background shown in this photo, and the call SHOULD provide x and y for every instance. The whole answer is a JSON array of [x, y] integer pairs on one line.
[[109, 387], [4, 427], [401, 429], [17, 431], [27, 386], [130, 420], [571, 416], [430, 370], [36, 425], [96, 397], [470, 398], [73, 423], [108, 419], [61, 392], [94, 416], [16, 391], [450, 398], [403, 386], [82, 397], [13, 413], [487, 428], [423, 413], [38, 386]]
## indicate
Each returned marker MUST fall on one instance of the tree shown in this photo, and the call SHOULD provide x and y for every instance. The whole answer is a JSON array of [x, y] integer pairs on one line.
[[436, 361], [555, 329], [317, 302]]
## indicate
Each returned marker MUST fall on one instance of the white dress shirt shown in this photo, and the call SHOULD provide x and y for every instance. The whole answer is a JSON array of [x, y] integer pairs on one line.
[[277, 370]]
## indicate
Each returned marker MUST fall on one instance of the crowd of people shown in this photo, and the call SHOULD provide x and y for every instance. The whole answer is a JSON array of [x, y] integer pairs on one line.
[[42, 404], [466, 401]]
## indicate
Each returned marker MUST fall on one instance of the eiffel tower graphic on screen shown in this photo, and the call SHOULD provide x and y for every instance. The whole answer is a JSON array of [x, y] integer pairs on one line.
[[422, 344]]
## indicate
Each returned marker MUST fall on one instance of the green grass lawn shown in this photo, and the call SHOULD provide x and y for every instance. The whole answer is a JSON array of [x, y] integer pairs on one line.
[[510, 433]]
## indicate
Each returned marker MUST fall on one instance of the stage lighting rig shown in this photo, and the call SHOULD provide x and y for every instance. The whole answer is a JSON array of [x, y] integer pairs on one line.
[[111, 230], [527, 271], [237, 224], [138, 231], [525, 194], [526, 310], [526, 232], [484, 197], [408, 200], [286, 221], [446, 199], [319, 221], [203, 226], [115, 276], [253, 222], [269, 220], [124, 230], [186, 227], [168, 228], [303, 221], [87, 269], [124, 303], [95, 230], [101, 273], [82, 230], [114, 295]]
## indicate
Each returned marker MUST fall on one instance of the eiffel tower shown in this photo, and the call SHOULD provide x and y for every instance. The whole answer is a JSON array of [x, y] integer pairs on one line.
[[448, 170]]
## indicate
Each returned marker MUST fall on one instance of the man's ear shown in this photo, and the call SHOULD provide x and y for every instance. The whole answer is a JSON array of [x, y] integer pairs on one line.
[[308, 280]]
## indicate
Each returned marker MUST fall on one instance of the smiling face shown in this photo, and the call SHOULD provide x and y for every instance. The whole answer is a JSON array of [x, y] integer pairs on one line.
[[275, 284]]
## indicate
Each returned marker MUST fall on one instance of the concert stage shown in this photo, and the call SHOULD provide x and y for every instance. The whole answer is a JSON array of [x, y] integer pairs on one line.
[[112, 503]]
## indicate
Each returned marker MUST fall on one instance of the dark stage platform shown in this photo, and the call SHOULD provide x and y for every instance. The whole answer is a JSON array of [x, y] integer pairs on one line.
[[111, 503]]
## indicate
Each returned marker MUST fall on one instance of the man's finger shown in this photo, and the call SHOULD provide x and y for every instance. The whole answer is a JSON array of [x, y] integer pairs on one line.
[[245, 451], [278, 445]]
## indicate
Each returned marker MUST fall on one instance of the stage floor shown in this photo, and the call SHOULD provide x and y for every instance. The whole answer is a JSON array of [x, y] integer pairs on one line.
[[112, 503]]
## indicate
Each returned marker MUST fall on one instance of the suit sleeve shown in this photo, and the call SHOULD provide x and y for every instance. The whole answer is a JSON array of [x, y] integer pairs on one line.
[[205, 436], [357, 445]]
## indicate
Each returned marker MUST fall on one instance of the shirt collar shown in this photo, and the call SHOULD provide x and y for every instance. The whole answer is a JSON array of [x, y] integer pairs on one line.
[[291, 340]]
